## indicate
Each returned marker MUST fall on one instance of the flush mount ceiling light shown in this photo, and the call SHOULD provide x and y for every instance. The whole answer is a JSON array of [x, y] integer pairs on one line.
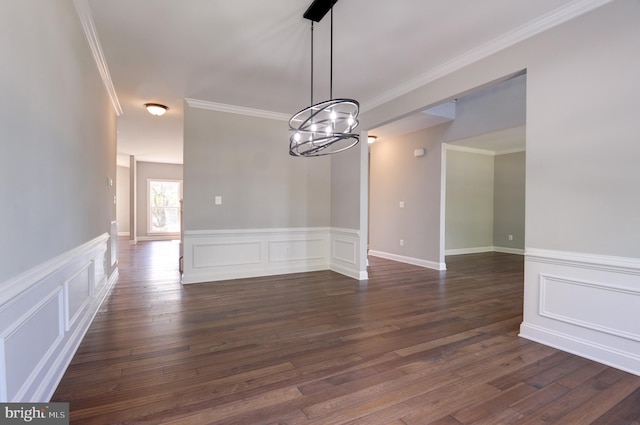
[[156, 109], [371, 139], [327, 127]]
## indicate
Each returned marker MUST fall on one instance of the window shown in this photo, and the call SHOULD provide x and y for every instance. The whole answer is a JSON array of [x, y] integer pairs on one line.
[[164, 206]]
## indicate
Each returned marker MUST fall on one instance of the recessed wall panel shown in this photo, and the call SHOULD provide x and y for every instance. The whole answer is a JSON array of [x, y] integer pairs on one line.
[[28, 343], [596, 306], [226, 254], [293, 250]]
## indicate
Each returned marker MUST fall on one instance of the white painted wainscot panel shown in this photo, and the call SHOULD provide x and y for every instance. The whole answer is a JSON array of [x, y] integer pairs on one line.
[[345, 247], [44, 314], [214, 255], [584, 304]]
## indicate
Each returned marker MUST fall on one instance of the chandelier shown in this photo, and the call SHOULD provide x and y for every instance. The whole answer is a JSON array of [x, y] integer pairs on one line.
[[327, 127]]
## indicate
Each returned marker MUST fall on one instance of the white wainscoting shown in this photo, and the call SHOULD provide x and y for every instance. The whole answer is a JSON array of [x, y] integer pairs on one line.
[[214, 255], [345, 248], [585, 304], [44, 314], [409, 260]]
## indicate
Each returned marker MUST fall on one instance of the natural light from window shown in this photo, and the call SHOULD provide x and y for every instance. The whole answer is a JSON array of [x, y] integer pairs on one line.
[[164, 206]]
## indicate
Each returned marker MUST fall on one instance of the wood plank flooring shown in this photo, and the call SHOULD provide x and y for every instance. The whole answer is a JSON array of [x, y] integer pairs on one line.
[[410, 346]]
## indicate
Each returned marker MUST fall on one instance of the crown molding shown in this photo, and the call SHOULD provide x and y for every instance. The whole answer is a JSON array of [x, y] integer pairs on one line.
[[90, 33], [562, 14], [233, 109]]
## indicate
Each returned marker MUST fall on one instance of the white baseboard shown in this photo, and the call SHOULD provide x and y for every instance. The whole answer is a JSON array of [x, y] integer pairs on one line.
[[584, 304], [629, 362], [215, 255], [409, 260], [506, 250], [158, 238], [474, 250], [481, 249], [44, 314]]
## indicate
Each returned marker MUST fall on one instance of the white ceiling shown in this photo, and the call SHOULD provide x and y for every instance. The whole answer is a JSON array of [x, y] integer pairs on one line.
[[255, 54]]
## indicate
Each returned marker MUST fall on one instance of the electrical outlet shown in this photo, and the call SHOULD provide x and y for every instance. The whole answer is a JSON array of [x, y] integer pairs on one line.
[[510, 237], [401, 242], [218, 200]]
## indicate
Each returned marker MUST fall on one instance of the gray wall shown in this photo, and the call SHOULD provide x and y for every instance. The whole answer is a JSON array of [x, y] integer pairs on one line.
[[469, 200], [345, 188], [151, 170], [245, 160], [509, 200], [58, 133], [582, 126], [397, 175], [583, 153], [122, 199]]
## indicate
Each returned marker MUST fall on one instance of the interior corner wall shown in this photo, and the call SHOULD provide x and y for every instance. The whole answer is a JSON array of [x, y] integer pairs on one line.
[[469, 202], [396, 176], [144, 172]]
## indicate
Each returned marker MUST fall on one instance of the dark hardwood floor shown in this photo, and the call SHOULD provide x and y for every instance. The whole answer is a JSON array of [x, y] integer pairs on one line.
[[408, 346]]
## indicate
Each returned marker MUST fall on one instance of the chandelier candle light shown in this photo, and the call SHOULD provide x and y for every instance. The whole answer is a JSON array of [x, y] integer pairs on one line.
[[327, 127]]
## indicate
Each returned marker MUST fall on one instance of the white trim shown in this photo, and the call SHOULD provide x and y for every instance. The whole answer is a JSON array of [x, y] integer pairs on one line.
[[480, 249], [556, 17], [159, 237], [506, 250], [409, 260], [13, 287], [474, 250], [233, 109], [91, 35], [123, 233], [231, 232], [584, 260], [619, 359]]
